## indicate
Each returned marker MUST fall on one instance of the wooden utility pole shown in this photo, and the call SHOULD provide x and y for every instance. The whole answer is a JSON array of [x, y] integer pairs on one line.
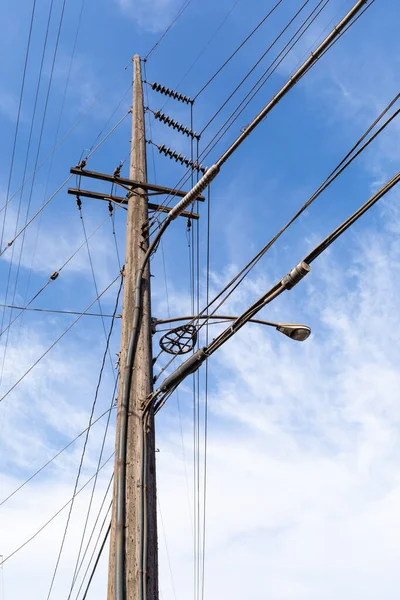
[[141, 384]]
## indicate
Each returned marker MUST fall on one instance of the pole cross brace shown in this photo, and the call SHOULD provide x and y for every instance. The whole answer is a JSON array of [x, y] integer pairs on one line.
[[149, 187], [124, 201]]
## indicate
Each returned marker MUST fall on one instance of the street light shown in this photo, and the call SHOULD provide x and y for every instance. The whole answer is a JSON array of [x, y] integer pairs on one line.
[[296, 332]]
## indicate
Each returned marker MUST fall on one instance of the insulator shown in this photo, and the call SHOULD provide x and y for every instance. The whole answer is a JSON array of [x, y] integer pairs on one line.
[[117, 171], [167, 92], [175, 125], [182, 159]]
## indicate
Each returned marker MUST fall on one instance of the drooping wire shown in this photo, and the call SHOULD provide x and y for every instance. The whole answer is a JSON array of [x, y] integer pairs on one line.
[[82, 559], [104, 435], [57, 340], [56, 514], [53, 277], [68, 133], [238, 48], [97, 562], [79, 204], [22, 190], [210, 40], [262, 82], [335, 173], [94, 403], [269, 48], [18, 119], [206, 151], [77, 566], [97, 540], [54, 457], [54, 311], [1, 254], [61, 112], [174, 20], [21, 231]]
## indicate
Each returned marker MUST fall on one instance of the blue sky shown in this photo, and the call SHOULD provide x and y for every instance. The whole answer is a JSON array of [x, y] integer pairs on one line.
[[303, 446]]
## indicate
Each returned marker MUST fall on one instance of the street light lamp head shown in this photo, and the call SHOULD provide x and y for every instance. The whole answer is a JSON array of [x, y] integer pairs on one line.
[[296, 332]]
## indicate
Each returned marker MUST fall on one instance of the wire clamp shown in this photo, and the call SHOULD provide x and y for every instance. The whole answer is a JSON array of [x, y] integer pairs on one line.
[[295, 275]]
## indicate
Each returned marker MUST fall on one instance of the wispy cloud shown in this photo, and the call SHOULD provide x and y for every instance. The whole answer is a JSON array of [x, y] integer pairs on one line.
[[151, 17]]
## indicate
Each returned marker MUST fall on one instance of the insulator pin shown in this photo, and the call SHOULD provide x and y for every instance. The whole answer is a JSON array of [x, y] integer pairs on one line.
[[167, 92]]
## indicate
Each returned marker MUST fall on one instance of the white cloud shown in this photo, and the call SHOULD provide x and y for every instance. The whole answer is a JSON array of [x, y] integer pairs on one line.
[[153, 16], [303, 484]]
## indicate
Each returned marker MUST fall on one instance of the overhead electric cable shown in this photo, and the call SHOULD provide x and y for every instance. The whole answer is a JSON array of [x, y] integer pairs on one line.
[[91, 536], [54, 457], [338, 170], [83, 453], [238, 48], [173, 214], [104, 435], [174, 20], [342, 165], [71, 129], [210, 40], [298, 33], [57, 340], [58, 312], [56, 514], [97, 562], [192, 364], [23, 179], [96, 289], [18, 119], [268, 72], [35, 215], [262, 83], [53, 277]]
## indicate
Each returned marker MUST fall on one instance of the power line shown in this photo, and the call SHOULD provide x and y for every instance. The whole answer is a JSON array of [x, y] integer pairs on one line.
[[54, 457], [268, 71], [99, 380], [79, 204], [56, 514], [262, 83], [238, 48], [18, 118], [59, 312], [232, 8], [90, 538], [338, 170], [53, 277], [174, 20], [68, 133], [97, 562], [57, 340], [35, 215], [186, 176]]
